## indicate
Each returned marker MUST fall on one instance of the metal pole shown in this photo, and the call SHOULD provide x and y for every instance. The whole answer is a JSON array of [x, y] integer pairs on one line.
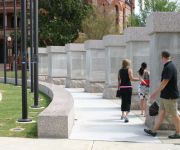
[[36, 86], [5, 46], [31, 46], [15, 41], [24, 63]]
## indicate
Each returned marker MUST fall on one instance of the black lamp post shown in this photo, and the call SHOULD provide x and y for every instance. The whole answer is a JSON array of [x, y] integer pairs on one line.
[[15, 42], [5, 44], [35, 57], [31, 46], [24, 63]]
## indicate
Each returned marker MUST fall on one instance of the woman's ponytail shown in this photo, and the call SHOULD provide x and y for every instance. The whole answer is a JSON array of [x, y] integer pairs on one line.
[[143, 67]]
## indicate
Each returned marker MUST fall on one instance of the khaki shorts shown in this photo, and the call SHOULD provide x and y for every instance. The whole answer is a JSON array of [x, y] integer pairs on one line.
[[169, 105]]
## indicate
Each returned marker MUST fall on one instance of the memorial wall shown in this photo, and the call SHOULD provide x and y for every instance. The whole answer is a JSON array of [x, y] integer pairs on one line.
[[43, 63], [95, 66], [115, 52], [164, 31], [57, 64], [137, 46], [76, 60]]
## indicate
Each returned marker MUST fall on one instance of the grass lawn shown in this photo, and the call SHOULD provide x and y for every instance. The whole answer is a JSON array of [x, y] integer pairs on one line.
[[10, 111]]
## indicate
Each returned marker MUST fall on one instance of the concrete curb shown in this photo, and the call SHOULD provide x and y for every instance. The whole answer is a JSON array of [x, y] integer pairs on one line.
[[57, 120]]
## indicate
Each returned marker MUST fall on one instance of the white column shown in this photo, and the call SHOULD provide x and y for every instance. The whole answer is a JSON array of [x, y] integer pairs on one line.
[[137, 45], [95, 66], [75, 65], [43, 62], [164, 31], [57, 64], [115, 52]]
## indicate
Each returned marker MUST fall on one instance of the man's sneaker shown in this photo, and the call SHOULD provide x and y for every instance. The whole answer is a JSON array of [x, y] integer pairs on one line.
[[174, 136], [126, 120], [150, 132]]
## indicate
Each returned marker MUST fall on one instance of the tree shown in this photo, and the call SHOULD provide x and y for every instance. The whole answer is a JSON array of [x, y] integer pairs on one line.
[[148, 6], [60, 20], [98, 23], [134, 20]]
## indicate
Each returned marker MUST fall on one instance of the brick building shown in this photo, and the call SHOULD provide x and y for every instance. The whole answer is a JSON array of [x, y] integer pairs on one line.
[[9, 22], [121, 9]]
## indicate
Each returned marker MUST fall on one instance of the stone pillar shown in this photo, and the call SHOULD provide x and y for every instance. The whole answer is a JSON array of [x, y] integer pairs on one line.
[[164, 31], [43, 63], [137, 45], [57, 64], [95, 66], [75, 65], [115, 52]]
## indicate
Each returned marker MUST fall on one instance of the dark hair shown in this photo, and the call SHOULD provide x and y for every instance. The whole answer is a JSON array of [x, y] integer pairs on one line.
[[143, 67], [165, 54]]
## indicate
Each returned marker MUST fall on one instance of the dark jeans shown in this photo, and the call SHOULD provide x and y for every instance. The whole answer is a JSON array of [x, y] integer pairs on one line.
[[126, 94]]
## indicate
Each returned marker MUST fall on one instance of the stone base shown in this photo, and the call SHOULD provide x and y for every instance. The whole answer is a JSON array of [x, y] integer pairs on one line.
[[166, 125], [94, 87], [135, 102], [75, 83], [57, 81], [43, 78], [109, 93], [149, 121], [135, 87]]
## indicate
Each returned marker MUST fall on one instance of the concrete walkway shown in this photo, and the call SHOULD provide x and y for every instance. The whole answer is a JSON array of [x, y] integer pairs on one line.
[[98, 126], [99, 119], [62, 144]]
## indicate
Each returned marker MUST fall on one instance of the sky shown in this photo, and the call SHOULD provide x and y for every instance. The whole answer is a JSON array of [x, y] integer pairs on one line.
[[137, 7]]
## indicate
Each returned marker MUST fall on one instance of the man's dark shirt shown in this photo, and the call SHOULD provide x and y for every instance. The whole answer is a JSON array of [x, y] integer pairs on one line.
[[171, 89]]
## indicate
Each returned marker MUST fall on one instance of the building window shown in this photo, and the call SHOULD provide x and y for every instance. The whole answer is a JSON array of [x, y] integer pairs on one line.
[[12, 22]]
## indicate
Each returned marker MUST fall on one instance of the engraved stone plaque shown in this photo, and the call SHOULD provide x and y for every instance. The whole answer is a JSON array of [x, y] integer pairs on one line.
[[43, 64], [59, 65], [78, 65], [176, 60], [97, 66], [116, 57], [137, 60]]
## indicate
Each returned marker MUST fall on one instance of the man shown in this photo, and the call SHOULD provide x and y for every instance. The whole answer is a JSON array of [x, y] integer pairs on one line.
[[169, 94]]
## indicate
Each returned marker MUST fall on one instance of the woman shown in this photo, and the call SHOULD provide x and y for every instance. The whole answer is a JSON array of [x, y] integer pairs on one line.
[[125, 77], [143, 90]]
